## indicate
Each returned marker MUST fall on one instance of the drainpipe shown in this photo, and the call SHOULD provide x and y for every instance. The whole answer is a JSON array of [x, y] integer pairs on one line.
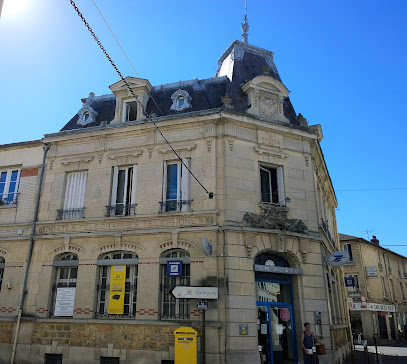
[[30, 250]]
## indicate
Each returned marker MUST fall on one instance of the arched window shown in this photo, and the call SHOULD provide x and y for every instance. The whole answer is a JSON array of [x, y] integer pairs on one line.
[[171, 307], [65, 284], [2, 265], [114, 300]]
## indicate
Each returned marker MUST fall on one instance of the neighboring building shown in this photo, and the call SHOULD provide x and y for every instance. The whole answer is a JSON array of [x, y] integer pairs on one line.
[[116, 200], [379, 291]]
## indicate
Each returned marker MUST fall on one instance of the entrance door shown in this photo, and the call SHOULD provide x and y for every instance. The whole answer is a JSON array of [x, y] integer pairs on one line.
[[275, 334]]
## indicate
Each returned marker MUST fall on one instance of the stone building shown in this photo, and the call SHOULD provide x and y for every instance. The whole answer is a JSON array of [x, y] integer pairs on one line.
[[377, 289], [246, 207]]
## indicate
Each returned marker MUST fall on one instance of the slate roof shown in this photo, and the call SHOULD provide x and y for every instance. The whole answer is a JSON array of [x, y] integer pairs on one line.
[[343, 237], [206, 94]]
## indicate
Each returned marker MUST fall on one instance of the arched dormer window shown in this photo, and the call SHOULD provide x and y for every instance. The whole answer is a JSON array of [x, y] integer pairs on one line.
[[117, 286], [180, 100], [171, 307], [65, 284]]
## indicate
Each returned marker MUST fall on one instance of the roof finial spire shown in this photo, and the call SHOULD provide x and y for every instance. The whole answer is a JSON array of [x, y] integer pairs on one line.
[[245, 25]]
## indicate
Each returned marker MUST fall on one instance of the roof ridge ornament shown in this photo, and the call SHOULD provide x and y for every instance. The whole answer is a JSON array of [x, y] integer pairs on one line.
[[245, 26]]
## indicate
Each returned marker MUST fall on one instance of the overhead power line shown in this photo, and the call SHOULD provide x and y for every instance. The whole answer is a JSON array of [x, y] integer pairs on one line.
[[373, 189], [133, 94]]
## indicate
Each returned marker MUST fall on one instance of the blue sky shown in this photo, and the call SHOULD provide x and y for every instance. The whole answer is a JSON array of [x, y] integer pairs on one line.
[[343, 61]]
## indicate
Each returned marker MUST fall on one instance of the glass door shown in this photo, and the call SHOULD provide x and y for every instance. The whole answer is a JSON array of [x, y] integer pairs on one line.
[[276, 334]]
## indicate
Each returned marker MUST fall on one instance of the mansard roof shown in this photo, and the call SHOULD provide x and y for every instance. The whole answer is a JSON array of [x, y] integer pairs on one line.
[[239, 64]]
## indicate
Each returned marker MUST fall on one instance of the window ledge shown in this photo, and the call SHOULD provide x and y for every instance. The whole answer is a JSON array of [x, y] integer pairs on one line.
[[10, 206]]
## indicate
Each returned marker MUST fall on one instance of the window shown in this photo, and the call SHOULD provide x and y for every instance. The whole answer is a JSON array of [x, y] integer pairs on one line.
[[171, 307], [356, 288], [391, 289], [123, 192], [53, 358], [107, 296], [379, 262], [403, 296], [176, 187], [2, 265], [348, 249], [9, 184], [74, 202], [65, 284], [109, 360], [271, 185], [130, 111], [383, 287], [180, 100]]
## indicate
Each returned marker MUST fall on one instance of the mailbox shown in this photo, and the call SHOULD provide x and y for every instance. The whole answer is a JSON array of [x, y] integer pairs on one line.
[[186, 348]]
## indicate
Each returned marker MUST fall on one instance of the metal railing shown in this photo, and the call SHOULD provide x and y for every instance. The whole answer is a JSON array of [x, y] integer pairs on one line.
[[71, 214], [121, 210], [8, 198], [174, 205]]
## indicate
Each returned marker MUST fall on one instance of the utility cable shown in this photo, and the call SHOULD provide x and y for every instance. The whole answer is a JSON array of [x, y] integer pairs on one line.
[[373, 189], [111, 31], [133, 94]]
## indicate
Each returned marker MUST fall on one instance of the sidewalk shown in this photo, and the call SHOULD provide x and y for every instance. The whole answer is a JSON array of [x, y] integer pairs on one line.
[[391, 353]]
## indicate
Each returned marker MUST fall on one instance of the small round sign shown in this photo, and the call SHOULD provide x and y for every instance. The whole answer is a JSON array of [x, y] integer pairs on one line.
[[363, 299], [285, 314]]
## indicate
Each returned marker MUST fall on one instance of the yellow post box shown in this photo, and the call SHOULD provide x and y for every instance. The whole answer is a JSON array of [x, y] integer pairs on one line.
[[186, 349]]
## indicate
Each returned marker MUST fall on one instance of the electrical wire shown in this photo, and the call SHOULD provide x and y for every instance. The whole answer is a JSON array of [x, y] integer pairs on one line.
[[118, 43], [374, 189], [133, 94]]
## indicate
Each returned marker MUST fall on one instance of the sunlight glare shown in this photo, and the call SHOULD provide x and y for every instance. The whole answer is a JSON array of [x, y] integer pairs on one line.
[[12, 8]]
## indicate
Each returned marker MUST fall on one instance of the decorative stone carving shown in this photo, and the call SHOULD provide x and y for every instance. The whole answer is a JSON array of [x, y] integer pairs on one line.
[[227, 101], [249, 243], [87, 114], [230, 141], [180, 100], [282, 238], [267, 104], [306, 159], [274, 217]]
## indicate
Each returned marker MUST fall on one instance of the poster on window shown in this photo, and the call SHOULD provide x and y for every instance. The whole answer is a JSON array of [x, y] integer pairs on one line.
[[117, 288], [65, 301]]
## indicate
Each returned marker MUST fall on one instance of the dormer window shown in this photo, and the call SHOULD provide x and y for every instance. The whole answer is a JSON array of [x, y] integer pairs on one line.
[[87, 114], [180, 100], [130, 111]]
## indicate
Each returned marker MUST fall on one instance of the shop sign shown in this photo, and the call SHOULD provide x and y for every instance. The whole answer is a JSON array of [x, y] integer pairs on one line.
[[285, 314], [363, 306], [349, 281], [337, 259], [64, 301], [371, 272], [276, 269], [117, 287], [174, 268]]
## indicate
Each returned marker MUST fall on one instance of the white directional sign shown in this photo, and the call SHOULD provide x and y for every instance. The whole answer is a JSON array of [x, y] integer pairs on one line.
[[196, 292]]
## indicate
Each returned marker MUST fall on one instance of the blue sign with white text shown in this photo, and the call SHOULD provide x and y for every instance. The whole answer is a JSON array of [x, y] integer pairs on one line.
[[174, 268], [349, 281]]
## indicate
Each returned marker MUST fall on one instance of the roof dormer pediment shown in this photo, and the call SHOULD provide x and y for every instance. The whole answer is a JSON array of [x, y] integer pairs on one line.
[[266, 97], [134, 83]]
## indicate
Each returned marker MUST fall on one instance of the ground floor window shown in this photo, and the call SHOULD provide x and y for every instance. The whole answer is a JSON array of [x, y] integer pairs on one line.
[[117, 287], [53, 358]]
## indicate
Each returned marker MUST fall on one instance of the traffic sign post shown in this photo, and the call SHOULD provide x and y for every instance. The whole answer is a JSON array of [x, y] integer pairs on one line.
[[203, 305]]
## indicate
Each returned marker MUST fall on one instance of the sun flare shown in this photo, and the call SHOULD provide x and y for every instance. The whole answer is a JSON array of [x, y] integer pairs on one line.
[[13, 7]]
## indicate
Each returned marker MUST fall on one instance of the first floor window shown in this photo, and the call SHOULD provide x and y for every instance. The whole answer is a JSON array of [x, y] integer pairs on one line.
[[348, 249], [117, 294], [176, 186], [356, 287], [2, 265], [271, 184], [383, 287], [65, 284], [171, 307], [403, 296], [74, 201], [123, 191], [9, 184]]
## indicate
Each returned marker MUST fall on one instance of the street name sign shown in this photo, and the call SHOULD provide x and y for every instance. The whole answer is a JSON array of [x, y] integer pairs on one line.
[[196, 292], [202, 305]]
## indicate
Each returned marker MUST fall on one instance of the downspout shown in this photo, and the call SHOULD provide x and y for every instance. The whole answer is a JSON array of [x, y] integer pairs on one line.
[[30, 250]]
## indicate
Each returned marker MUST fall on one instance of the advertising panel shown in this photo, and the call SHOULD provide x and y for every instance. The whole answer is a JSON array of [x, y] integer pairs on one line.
[[117, 288]]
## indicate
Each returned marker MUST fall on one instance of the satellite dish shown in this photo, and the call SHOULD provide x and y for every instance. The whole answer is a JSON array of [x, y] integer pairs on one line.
[[207, 246]]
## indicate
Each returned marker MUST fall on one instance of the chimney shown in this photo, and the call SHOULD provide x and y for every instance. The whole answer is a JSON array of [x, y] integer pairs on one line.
[[374, 240]]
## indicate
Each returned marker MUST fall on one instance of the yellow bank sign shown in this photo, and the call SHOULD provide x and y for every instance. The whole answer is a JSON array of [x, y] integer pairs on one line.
[[117, 286]]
